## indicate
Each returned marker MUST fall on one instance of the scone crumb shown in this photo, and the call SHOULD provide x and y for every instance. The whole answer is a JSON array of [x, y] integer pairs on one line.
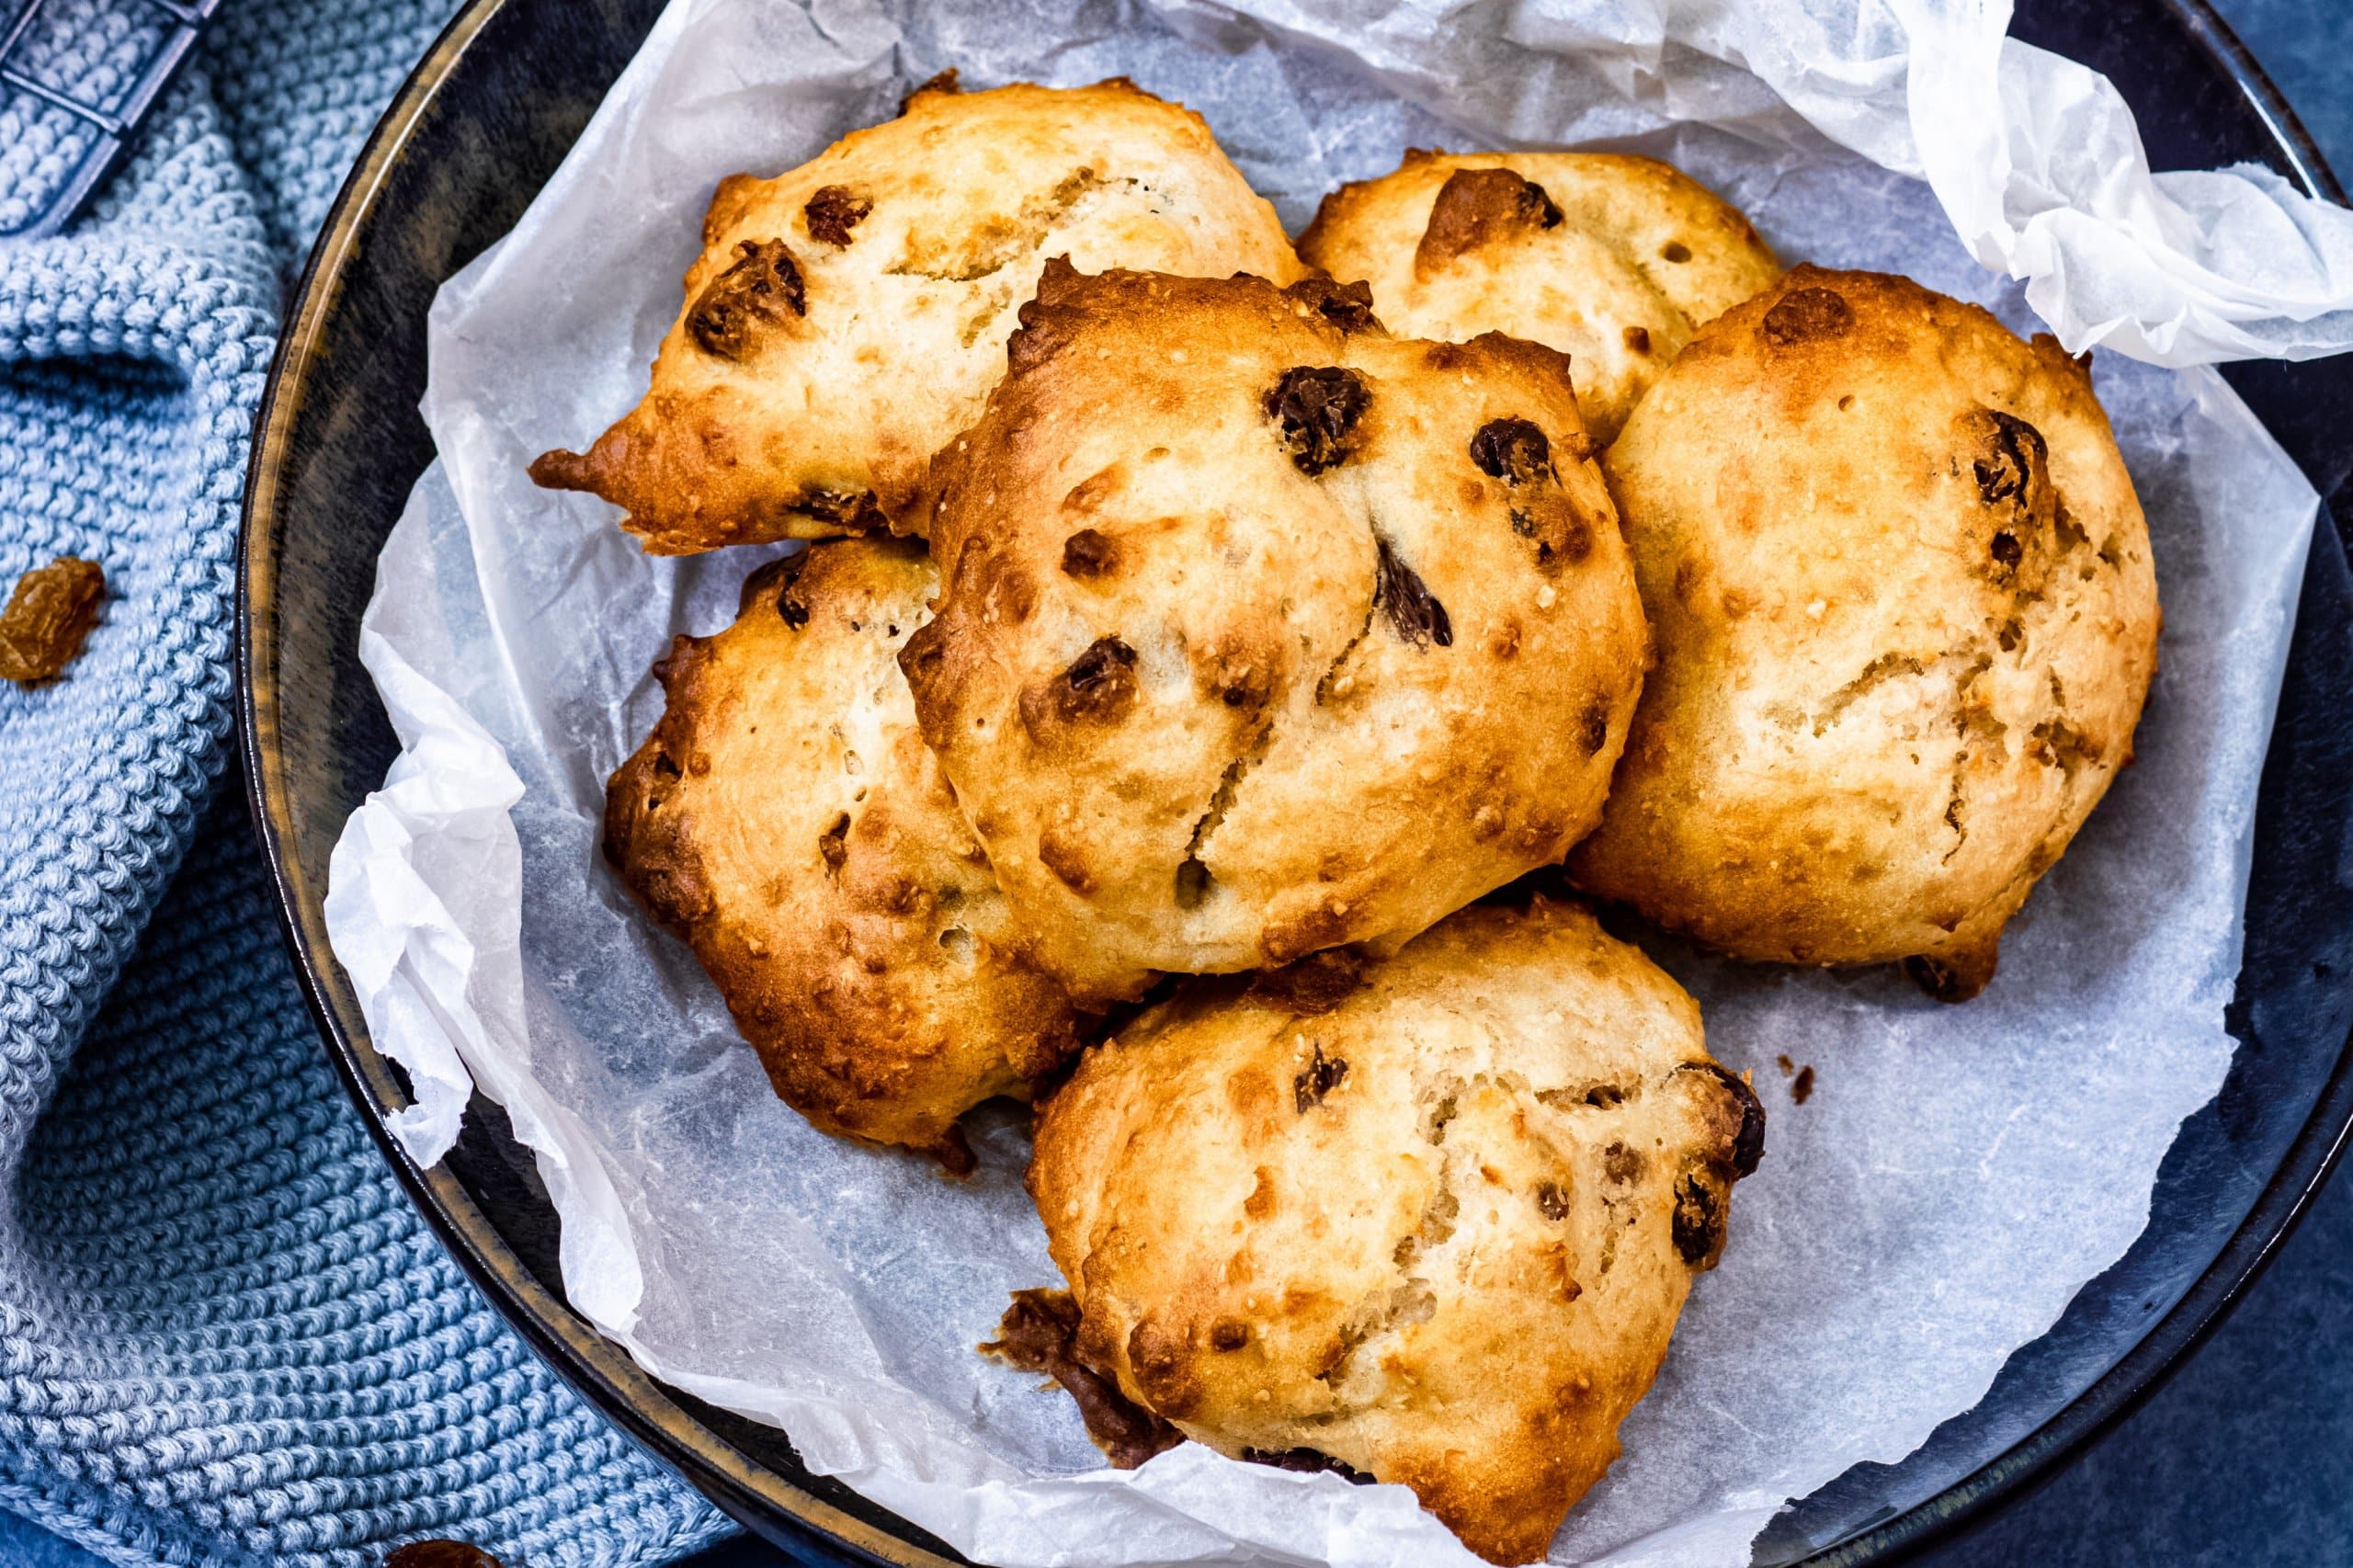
[[1039, 1333]]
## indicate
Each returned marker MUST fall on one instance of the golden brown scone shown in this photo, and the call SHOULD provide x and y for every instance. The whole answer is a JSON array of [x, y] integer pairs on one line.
[[847, 318], [1432, 1218], [1268, 633], [1611, 258], [786, 820], [1906, 616]]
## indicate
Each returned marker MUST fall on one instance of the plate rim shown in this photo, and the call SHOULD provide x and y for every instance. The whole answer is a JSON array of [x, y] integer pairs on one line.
[[2287, 1195], [599, 1369], [603, 1373]]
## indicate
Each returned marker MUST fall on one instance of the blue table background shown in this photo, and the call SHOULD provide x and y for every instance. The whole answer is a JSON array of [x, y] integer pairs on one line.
[[2245, 1458]]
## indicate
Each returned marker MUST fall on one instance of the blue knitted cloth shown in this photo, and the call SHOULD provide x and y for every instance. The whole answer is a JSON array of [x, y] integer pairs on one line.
[[224, 1336]]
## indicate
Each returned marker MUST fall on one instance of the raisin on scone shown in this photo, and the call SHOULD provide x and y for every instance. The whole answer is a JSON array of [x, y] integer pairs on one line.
[[1264, 631], [1428, 1220], [846, 317], [786, 820], [1906, 616], [1612, 259]]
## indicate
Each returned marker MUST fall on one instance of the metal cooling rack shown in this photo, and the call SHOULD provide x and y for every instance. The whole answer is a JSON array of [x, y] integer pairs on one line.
[[107, 125]]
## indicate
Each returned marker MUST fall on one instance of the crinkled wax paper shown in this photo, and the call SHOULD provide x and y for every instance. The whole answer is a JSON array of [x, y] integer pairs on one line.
[[1958, 1172]]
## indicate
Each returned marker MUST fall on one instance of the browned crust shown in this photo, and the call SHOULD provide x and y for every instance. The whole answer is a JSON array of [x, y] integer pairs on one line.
[[2011, 582], [1479, 592], [946, 83], [1475, 207], [786, 403], [1425, 1271], [828, 943], [1608, 256]]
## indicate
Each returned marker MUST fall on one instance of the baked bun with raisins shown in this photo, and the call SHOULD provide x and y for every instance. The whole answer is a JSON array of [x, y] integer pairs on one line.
[[786, 820], [1612, 259], [1906, 616], [846, 317], [1264, 631], [1431, 1219]]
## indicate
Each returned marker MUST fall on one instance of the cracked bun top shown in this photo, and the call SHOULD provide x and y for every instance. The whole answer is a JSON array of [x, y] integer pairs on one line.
[[1432, 1217], [846, 318], [1266, 631], [1612, 259], [1906, 615], [786, 820]]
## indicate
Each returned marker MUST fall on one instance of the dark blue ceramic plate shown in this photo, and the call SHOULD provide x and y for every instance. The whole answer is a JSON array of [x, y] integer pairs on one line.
[[485, 121]]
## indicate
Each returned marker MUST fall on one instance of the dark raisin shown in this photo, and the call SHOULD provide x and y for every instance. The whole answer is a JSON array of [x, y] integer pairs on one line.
[[1513, 450], [1347, 306], [1676, 251], [1699, 1225], [1318, 407], [852, 511], [49, 615], [833, 844], [2006, 548], [832, 212], [1100, 684], [1317, 1079], [1949, 979], [766, 577], [2017, 452], [1748, 1144], [1228, 1334], [1554, 1201], [1107, 662], [1412, 608], [1593, 726], [783, 576], [739, 306], [1310, 987], [1088, 553], [1638, 338], [1805, 315], [1309, 1460]]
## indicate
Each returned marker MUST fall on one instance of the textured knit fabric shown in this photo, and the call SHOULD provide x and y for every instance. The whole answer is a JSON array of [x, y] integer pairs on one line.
[[224, 1336]]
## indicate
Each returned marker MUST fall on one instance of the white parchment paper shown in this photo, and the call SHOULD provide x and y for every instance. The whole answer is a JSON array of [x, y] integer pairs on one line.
[[1957, 1174]]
